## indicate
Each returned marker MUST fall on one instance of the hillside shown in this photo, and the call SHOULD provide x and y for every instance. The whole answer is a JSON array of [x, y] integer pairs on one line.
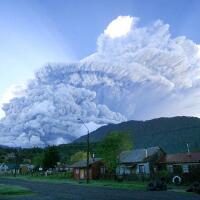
[[172, 134]]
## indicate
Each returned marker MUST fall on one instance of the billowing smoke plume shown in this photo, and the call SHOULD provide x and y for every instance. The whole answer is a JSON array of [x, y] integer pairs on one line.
[[141, 73]]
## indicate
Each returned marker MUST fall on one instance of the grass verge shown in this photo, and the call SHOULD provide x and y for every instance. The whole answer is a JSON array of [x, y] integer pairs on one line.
[[13, 190], [136, 185]]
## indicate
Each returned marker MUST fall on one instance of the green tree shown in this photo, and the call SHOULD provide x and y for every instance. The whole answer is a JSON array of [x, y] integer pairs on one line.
[[80, 155], [38, 160], [112, 145], [51, 157]]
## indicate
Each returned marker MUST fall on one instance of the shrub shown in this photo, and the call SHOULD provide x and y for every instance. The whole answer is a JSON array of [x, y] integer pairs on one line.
[[163, 174]]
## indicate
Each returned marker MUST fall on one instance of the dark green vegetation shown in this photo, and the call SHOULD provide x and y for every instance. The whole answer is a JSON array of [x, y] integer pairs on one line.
[[51, 157], [111, 146], [133, 185], [13, 190], [36, 155], [172, 134], [79, 155]]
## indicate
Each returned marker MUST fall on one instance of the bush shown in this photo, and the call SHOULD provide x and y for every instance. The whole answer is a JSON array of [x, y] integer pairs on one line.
[[195, 187], [157, 185], [163, 174], [62, 175]]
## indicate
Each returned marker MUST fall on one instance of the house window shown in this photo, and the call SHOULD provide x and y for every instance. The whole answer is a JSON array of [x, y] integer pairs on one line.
[[77, 171], [170, 168], [185, 168], [141, 169], [103, 170], [127, 170]]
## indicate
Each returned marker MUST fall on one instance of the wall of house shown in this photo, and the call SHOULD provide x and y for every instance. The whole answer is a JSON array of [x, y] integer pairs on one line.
[[189, 172], [123, 170]]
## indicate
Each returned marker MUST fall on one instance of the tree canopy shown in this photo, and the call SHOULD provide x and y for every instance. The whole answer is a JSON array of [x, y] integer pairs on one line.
[[111, 146], [51, 157], [80, 155]]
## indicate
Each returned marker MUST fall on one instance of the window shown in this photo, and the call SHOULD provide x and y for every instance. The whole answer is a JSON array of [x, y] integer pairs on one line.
[[185, 168], [127, 170], [77, 171], [102, 170], [141, 169], [170, 168]]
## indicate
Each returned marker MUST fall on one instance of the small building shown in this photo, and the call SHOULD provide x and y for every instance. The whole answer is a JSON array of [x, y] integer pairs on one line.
[[96, 169], [26, 168], [61, 167], [9, 168], [181, 163], [139, 161]]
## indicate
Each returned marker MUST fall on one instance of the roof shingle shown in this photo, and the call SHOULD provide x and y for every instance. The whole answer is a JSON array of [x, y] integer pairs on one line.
[[182, 158], [137, 155]]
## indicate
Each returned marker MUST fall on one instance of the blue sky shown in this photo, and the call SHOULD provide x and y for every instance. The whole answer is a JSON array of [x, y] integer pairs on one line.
[[35, 32]]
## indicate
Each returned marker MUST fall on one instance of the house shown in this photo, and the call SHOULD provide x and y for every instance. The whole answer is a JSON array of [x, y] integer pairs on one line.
[[3, 167], [139, 161], [9, 168], [26, 168], [182, 163], [61, 167], [96, 169]]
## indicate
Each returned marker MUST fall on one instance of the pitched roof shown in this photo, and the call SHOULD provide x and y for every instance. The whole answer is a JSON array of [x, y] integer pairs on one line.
[[83, 163], [137, 155], [182, 158], [10, 166]]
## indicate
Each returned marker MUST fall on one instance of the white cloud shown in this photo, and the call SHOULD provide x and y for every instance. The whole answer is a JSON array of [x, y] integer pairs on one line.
[[198, 46], [143, 74], [120, 26], [12, 92]]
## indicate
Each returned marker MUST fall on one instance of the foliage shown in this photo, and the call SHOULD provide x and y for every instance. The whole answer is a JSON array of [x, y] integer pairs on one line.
[[67, 150], [163, 174], [177, 131], [13, 190], [51, 157], [38, 160], [80, 155], [110, 148]]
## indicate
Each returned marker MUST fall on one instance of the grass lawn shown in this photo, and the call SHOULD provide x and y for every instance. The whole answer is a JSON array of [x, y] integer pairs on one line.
[[136, 185], [13, 190]]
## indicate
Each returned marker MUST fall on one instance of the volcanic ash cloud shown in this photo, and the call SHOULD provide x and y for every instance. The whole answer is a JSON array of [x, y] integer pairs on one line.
[[137, 73]]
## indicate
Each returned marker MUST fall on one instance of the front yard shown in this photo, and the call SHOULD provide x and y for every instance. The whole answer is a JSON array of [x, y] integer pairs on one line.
[[50, 189], [13, 190], [131, 185]]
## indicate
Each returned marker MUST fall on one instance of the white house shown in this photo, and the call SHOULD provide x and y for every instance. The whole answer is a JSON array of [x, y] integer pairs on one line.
[[139, 161]]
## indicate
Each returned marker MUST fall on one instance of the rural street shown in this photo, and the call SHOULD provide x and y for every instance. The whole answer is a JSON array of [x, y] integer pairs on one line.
[[52, 191]]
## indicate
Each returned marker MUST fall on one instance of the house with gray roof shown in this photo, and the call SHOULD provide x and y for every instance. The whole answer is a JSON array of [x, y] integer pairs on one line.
[[139, 161], [9, 168]]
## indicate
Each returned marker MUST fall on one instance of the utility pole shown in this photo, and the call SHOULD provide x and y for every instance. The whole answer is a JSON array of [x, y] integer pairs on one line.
[[88, 149]]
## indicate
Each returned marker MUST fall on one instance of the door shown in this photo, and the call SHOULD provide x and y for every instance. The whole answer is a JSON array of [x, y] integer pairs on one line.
[[82, 172]]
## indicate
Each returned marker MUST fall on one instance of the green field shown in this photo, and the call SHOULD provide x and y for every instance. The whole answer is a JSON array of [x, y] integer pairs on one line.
[[135, 185], [131, 185], [13, 190]]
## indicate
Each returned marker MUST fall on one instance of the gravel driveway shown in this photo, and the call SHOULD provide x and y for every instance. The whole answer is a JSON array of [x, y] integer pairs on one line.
[[54, 191]]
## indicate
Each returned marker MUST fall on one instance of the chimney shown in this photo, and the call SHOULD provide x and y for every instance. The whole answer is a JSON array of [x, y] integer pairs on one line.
[[188, 149], [146, 153], [93, 157]]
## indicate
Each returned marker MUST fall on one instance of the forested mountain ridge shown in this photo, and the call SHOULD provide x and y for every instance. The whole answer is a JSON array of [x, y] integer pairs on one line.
[[172, 134]]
